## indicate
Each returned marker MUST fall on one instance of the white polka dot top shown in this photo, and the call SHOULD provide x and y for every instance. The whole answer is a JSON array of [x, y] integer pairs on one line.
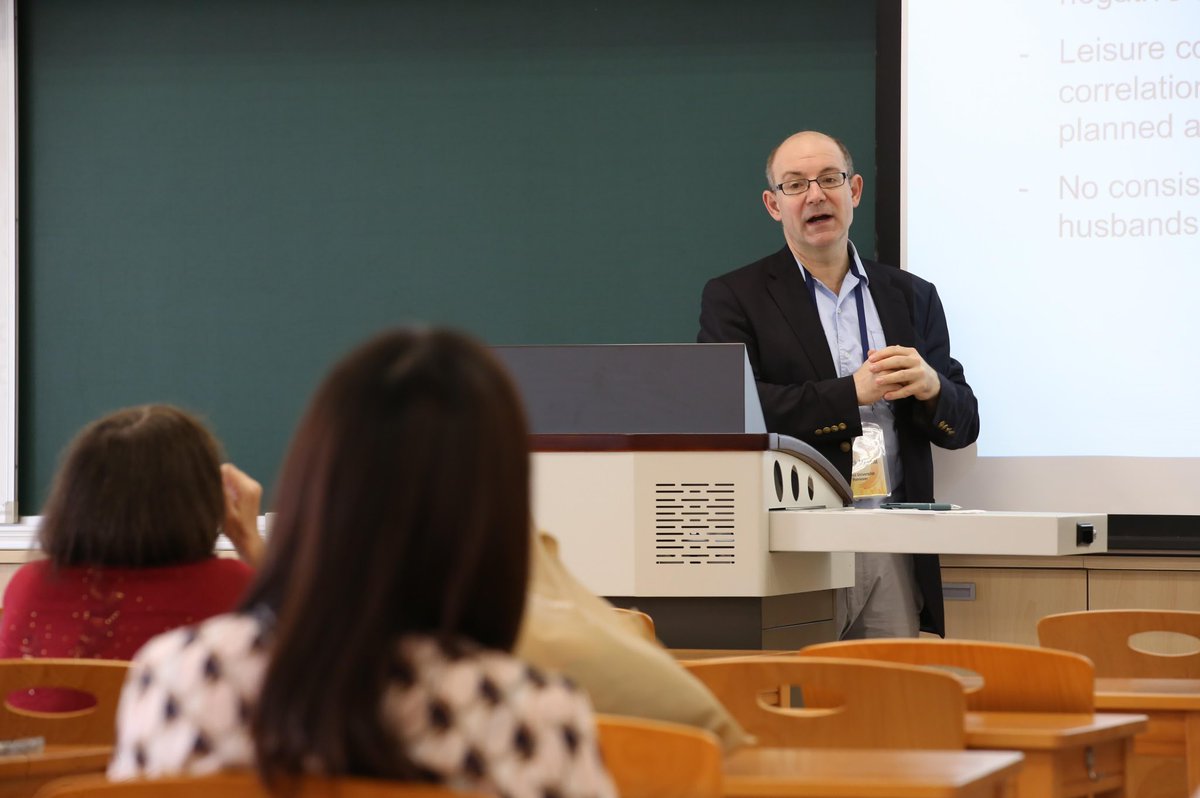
[[481, 721]]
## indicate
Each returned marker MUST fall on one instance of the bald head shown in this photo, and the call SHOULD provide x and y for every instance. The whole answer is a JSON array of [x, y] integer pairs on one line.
[[800, 138]]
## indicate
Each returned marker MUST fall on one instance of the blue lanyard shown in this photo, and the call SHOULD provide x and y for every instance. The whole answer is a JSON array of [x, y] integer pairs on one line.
[[811, 283]]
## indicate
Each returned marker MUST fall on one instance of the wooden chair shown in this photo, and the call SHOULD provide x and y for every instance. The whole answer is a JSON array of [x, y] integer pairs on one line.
[[1167, 757], [640, 621], [241, 785], [654, 759], [848, 703], [101, 679], [1035, 700], [1014, 678], [1103, 636]]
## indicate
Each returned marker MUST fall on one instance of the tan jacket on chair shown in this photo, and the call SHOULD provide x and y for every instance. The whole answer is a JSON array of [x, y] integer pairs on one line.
[[570, 630]]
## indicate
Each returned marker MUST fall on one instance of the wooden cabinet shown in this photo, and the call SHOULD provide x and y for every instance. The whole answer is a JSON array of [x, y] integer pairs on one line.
[[1127, 583], [1004, 604], [1002, 598]]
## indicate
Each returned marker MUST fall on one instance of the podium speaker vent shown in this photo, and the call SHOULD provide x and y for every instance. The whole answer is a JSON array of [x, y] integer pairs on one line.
[[694, 523]]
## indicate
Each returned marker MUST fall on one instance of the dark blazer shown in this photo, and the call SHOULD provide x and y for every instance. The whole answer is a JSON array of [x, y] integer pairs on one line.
[[767, 307]]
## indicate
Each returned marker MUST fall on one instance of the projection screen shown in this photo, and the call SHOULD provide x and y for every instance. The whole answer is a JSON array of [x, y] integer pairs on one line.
[[1050, 188]]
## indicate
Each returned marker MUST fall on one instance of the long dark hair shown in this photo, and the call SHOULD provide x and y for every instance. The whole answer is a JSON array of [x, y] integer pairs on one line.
[[139, 487], [403, 506]]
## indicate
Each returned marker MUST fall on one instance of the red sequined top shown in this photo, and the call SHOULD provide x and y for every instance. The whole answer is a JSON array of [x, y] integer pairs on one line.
[[109, 613]]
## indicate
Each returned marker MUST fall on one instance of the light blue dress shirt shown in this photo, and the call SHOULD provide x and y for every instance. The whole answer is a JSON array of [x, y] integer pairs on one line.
[[839, 319]]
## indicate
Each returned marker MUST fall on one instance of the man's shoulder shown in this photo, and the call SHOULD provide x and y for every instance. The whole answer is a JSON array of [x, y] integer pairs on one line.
[[919, 290], [758, 270], [894, 273]]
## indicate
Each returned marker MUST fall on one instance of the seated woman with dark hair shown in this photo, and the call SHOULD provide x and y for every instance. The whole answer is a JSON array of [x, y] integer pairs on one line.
[[128, 532], [376, 638]]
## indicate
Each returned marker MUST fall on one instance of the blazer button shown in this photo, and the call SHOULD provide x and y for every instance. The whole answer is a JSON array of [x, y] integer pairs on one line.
[[842, 425], [845, 446], [816, 432], [827, 430]]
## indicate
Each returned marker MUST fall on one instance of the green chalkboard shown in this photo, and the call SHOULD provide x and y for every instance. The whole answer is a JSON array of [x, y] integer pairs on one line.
[[218, 197]]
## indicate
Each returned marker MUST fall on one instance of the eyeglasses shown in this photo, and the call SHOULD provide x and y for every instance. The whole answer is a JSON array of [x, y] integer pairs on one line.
[[799, 185]]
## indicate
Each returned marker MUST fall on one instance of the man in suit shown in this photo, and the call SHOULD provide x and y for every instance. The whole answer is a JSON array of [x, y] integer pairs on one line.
[[852, 357]]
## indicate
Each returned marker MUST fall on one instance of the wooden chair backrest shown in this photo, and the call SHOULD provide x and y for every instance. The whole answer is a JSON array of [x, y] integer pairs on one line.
[[640, 621], [241, 785], [848, 703], [1012, 678], [100, 678], [1103, 637], [655, 759]]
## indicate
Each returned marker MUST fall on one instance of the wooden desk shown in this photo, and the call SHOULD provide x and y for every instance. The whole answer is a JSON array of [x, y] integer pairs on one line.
[[1167, 755], [840, 773], [1065, 755], [22, 774], [715, 653]]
